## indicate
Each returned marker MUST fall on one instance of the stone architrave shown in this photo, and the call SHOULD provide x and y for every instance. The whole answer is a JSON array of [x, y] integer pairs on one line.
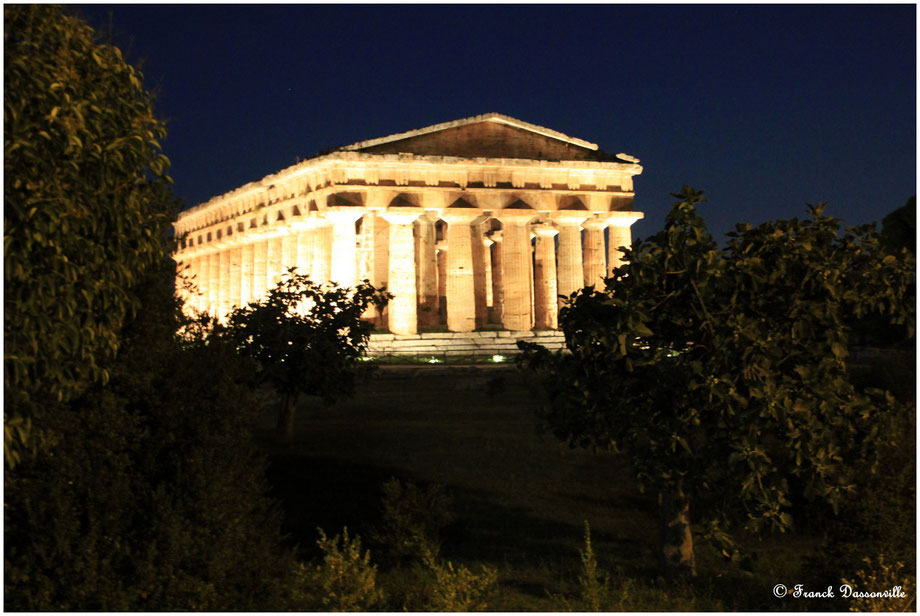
[[427, 274], [344, 265], [594, 253], [516, 260], [461, 293], [545, 288], [570, 271], [403, 313]]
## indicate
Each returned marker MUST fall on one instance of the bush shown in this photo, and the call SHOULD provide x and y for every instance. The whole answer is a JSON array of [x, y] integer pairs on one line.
[[412, 520], [458, 589], [344, 582], [880, 576], [151, 495]]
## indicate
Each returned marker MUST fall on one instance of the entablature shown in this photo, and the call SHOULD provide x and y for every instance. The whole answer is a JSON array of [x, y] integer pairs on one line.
[[308, 179]]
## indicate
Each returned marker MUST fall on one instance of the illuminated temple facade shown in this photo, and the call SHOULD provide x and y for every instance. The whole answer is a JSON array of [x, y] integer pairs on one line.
[[476, 224]]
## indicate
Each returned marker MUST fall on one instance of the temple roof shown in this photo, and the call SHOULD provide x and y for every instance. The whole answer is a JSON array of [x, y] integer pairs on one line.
[[490, 135]]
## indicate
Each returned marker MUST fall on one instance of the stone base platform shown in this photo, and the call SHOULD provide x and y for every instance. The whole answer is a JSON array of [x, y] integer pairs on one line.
[[467, 343]]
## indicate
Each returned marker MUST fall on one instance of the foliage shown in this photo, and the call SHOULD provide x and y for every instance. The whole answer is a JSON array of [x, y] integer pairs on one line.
[[86, 208], [879, 576], [344, 582], [412, 520], [458, 589], [151, 495], [306, 338], [722, 375], [595, 583], [899, 228]]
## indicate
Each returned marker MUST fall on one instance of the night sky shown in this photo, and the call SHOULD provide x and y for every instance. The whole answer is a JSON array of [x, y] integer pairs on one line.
[[766, 108]]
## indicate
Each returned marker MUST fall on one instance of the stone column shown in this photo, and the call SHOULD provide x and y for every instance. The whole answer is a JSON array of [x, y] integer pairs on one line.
[[344, 266], [322, 250], [442, 281], [236, 255], [570, 272], [427, 275], [461, 293], [259, 269], [479, 274], [595, 259], [246, 294], [288, 252], [304, 258], [497, 285], [487, 265], [273, 261], [516, 264], [223, 307], [213, 284], [545, 302], [403, 315]]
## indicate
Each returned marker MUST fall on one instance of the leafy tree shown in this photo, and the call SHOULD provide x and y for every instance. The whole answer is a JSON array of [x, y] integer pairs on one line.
[[306, 338], [899, 228], [722, 374], [151, 495], [86, 208]]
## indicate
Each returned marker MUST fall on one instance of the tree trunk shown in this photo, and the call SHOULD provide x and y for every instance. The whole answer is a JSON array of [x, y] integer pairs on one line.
[[676, 536], [285, 429]]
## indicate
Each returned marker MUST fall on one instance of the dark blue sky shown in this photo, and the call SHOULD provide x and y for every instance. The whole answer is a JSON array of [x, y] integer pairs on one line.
[[767, 108]]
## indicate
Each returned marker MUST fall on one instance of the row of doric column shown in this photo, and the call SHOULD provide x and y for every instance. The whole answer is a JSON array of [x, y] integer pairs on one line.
[[477, 274]]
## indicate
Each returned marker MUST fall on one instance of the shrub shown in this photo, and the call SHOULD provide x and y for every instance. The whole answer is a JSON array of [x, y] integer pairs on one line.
[[412, 520], [457, 589], [344, 582], [151, 495], [880, 576]]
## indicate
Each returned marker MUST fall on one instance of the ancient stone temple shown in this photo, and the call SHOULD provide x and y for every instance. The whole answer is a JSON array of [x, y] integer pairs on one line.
[[476, 226]]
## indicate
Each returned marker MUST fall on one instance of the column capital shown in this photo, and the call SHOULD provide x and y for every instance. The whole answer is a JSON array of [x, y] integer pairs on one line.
[[544, 230], [595, 224], [623, 219], [569, 217], [401, 215], [515, 216], [460, 214], [344, 213]]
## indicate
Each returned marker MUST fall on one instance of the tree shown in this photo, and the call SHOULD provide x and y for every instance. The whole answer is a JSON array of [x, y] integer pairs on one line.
[[306, 338], [86, 208], [151, 495], [722, 374]]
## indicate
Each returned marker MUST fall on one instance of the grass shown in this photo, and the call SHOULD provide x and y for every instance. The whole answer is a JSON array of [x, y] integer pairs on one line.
[[519, 498]]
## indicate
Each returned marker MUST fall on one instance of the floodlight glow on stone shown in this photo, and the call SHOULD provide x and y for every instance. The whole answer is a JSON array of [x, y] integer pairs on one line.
[[498, 358]]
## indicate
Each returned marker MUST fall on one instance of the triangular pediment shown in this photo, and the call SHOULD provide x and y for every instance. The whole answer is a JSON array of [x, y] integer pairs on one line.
[[491, 135]]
